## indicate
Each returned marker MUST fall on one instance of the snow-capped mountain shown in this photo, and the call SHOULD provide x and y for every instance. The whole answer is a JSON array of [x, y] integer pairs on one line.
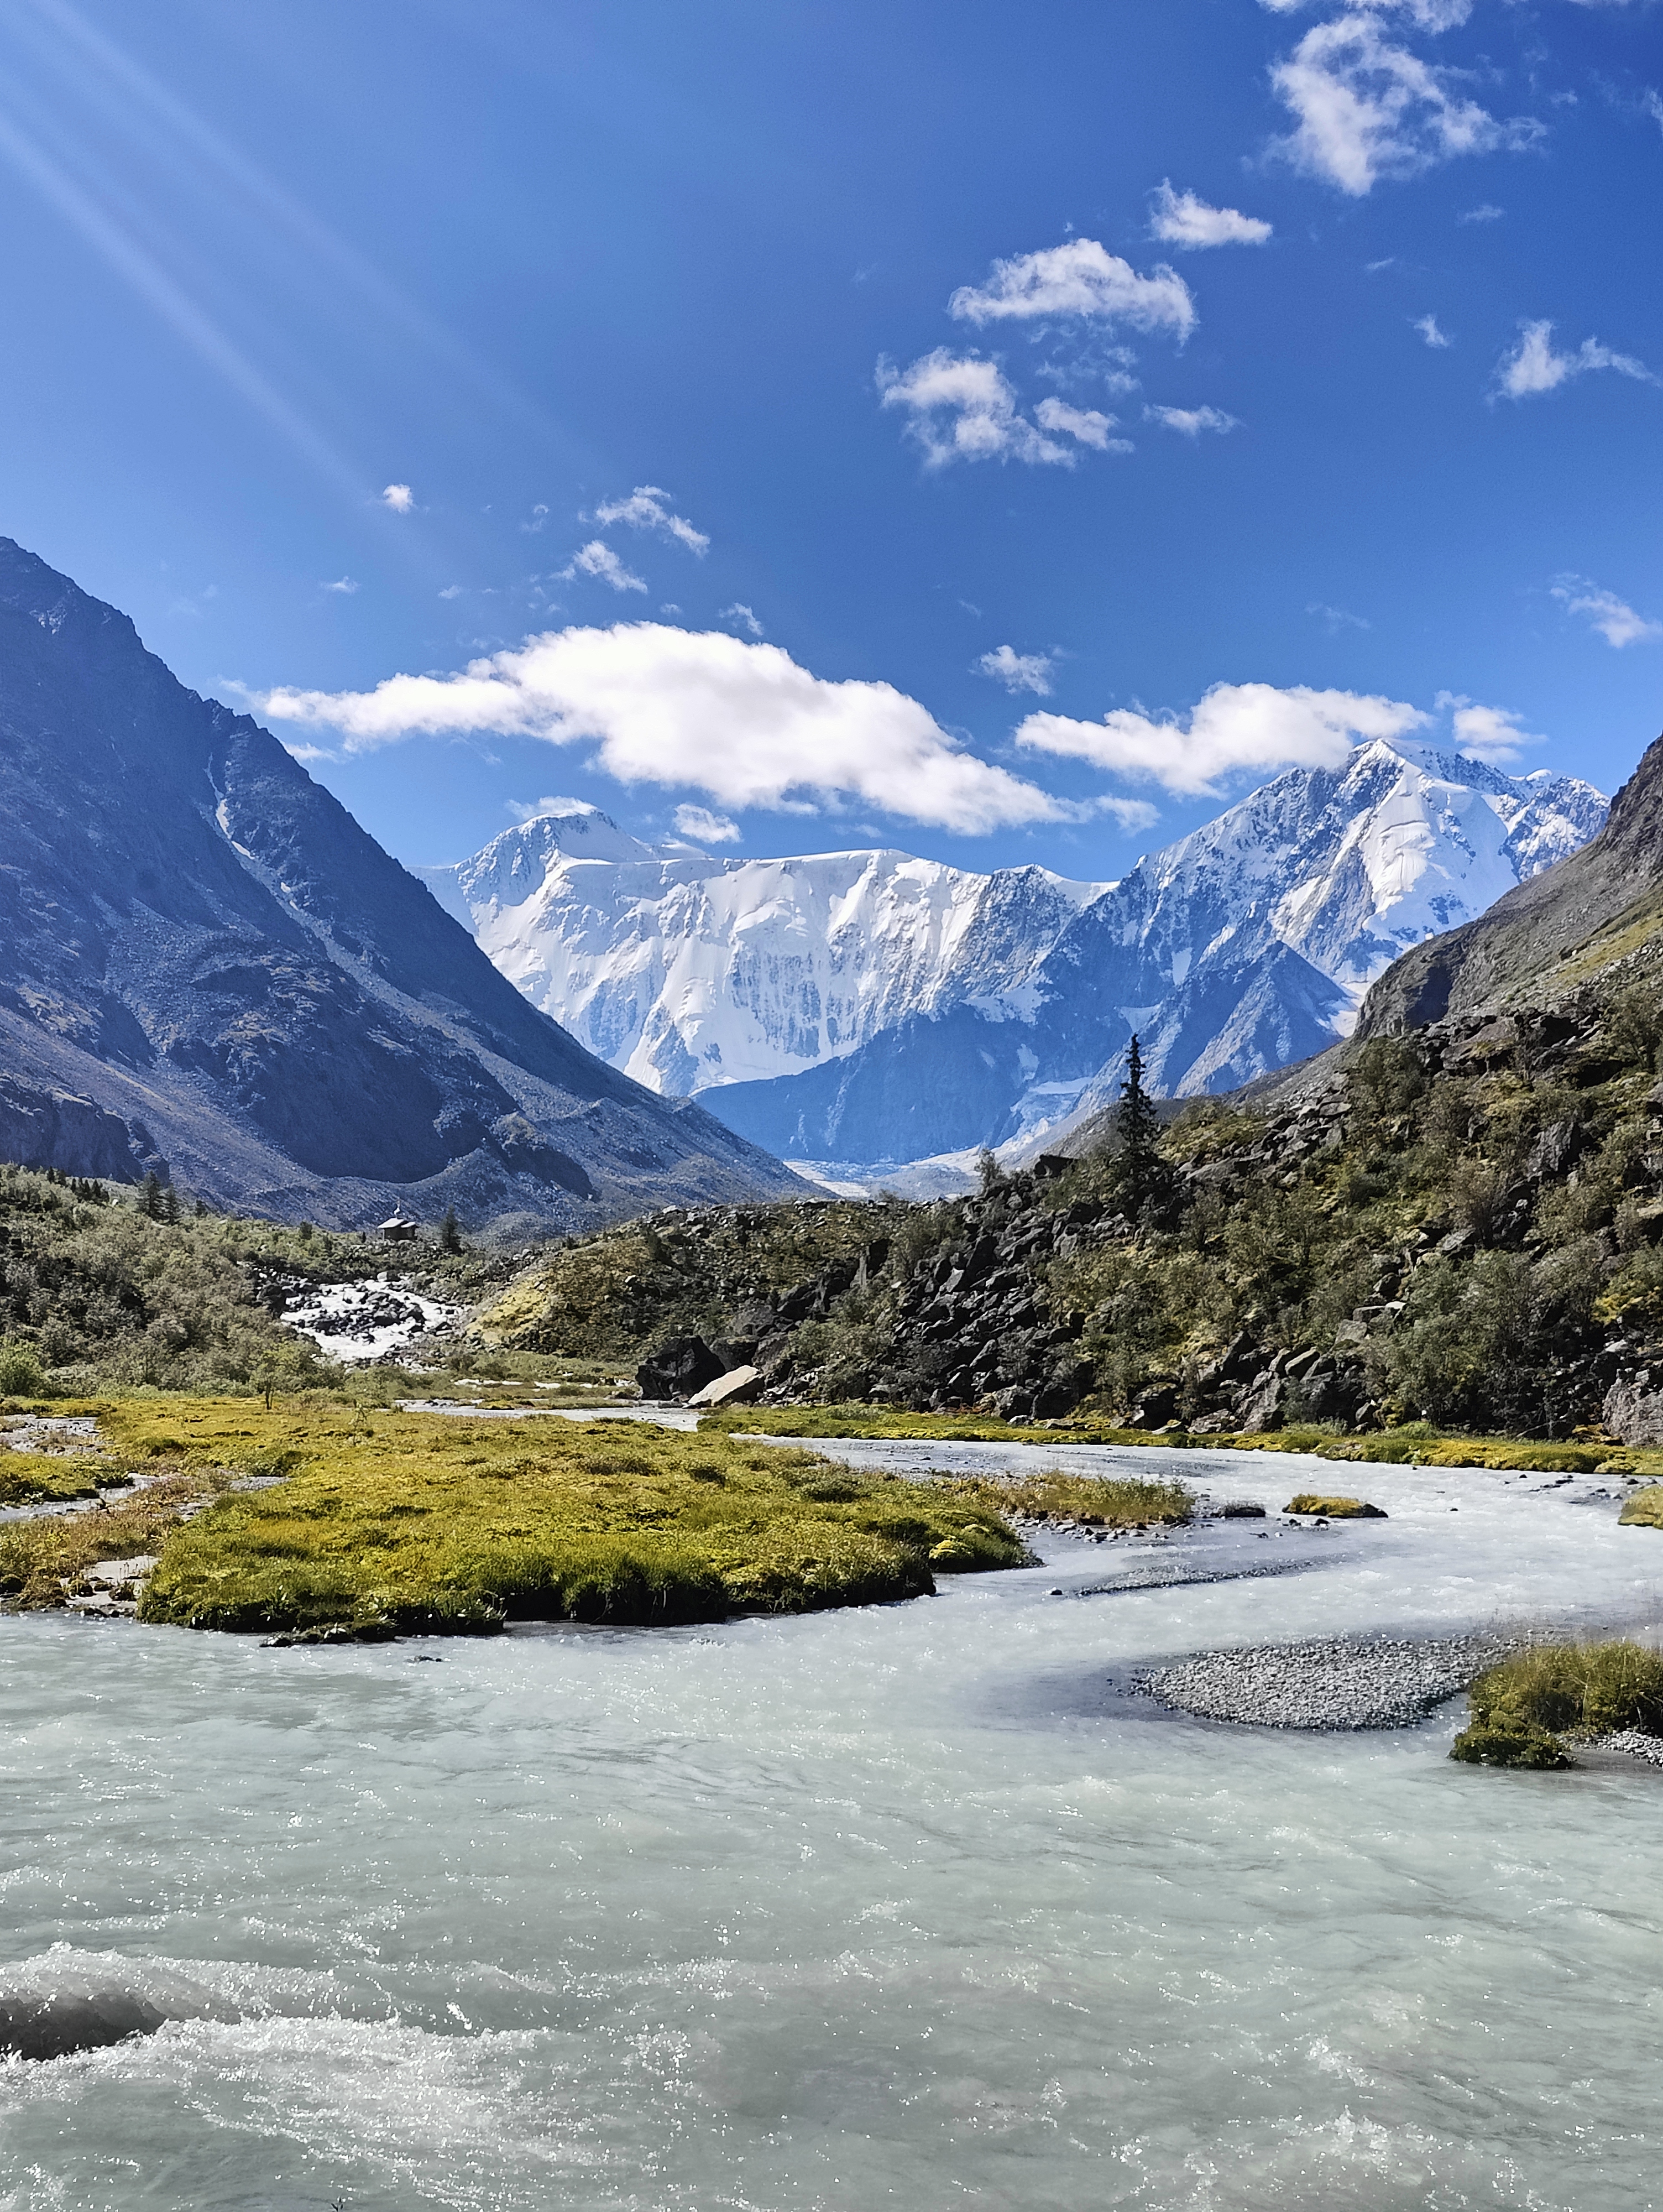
[[693, 974], [1246, 944], [869, 1007]]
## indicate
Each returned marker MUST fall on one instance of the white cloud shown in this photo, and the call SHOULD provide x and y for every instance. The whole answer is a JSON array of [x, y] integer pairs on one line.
[[740, 613], [539, 517], [1185, 219], [741, 723], [1428, 327], [705, 828], [538, 807], [1236, 728], [1485, 733], [1079, 279], [645, 510], [1083, 424], [346, 586], [1429, 15], [399, 497], [1487, 213], [1615, 621], [452, 591], [1191, 421], [1366, 109], [961, 408], [598, 559], [1335, 619], [1018, 671], [1130, 813], [1533, 366]]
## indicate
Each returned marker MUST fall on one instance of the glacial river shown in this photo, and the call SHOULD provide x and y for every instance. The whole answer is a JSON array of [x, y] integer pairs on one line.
[[913, 1906]]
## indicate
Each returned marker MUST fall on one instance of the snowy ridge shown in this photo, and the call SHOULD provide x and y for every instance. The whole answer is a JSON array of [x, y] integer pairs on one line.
[[691, 973], [869, 1008], [1245, 945]]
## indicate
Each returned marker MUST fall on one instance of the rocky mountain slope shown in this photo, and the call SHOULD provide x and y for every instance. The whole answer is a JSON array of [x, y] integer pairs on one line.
[[211, 971], [1459, 1223], [693, 974]]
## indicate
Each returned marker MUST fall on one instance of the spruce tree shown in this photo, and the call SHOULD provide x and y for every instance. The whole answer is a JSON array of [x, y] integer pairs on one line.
[[149, 1196], [449, 1231], [1143, 1175]]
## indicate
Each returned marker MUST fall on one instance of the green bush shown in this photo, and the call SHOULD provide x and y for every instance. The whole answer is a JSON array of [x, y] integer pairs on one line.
[[20, 1370], [1560, 1689], [1508, 1745]]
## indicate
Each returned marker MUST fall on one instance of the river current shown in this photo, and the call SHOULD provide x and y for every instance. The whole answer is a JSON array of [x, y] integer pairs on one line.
[[919, 1905]]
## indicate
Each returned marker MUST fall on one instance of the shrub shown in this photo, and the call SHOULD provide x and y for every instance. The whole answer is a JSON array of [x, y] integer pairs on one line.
[[1588, 1689], [20, 1370], [1505, 1744]]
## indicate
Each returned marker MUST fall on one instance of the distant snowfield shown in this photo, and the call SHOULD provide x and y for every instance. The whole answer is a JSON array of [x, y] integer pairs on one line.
[[874, 1019], [691, 973]]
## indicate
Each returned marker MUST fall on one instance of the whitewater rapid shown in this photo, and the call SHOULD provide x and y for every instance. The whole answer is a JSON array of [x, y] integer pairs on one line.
[[921, 1906]]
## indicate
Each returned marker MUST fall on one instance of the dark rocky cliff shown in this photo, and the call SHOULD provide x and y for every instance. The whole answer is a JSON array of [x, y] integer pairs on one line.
[[211, 967]]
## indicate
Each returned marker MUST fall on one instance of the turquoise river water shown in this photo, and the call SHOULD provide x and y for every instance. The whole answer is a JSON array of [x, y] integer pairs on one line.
[[913, 1906]]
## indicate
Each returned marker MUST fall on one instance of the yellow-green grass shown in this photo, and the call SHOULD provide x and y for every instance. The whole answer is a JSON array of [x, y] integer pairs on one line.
[[1332, 1509], [41, 1559], [1523, 1708], [46, 1478], [858, 1421], [425, 1522]]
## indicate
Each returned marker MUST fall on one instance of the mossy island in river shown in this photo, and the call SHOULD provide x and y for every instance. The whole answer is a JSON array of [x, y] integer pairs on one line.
[[332, 1520]]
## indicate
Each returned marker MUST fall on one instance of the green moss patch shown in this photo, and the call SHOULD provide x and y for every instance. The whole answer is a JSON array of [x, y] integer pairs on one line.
[[1644, 1509], [1529, 1702], [1510, 1745], [44, 1477], [1334, 1509], [427, 1523]]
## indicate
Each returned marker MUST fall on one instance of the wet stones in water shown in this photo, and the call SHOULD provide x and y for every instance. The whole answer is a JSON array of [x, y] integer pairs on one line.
[[1340, 1683], [50, 2027]]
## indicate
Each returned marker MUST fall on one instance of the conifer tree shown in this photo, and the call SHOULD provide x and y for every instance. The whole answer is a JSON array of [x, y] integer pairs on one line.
[[149, 1196], [449, 1231], [1143, 1175]]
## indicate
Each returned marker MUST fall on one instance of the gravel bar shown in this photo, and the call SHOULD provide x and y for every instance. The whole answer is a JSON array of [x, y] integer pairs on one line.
[[1339, 1682], [1635, 1742]]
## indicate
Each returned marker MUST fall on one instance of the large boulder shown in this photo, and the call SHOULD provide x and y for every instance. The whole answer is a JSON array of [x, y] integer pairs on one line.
[[1633, 1408], [681, 1365]]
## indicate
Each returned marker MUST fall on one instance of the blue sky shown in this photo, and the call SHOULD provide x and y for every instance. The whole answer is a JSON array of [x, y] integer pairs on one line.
[[817, 384]]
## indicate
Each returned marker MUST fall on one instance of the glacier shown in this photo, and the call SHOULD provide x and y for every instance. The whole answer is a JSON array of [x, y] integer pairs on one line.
[[863, 1012], [691, 974]]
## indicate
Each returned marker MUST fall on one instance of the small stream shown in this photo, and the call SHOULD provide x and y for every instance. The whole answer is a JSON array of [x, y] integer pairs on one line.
[[921, 1905]]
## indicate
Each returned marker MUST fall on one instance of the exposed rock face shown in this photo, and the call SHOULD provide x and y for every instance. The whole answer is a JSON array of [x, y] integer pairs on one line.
[[1633, 1408], [211, 968]]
